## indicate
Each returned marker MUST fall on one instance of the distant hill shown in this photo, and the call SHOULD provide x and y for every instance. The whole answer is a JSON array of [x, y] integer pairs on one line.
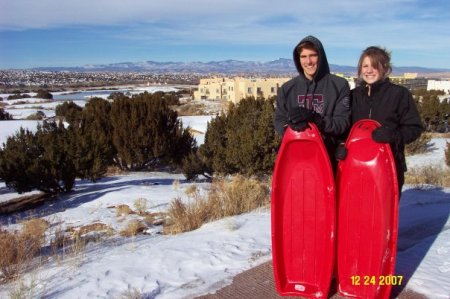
[[279, 66]]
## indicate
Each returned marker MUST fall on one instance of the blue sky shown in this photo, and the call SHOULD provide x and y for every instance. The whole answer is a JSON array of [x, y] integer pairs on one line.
[[74, 33]]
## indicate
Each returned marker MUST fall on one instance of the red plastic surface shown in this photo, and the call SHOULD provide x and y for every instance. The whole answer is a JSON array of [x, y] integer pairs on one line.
[[303, 216], [367, 216]]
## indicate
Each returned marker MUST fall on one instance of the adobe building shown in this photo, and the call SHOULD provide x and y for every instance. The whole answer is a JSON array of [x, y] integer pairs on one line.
[[237, 88], [439, 85]]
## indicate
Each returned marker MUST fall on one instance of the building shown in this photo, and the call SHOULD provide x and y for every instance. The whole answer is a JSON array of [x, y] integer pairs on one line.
[[410, 81], [237, 88], [439, 85]]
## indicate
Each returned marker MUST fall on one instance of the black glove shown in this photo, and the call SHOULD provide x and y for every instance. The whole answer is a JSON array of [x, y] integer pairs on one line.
[[341, 152], [385, 134], [299, 117], [318, 120]]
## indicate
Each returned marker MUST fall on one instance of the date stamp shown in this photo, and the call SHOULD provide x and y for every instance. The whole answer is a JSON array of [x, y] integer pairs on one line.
[[382, 280]]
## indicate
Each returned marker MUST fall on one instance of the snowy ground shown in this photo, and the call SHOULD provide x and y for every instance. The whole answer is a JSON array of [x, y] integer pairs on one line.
[[189, 264]]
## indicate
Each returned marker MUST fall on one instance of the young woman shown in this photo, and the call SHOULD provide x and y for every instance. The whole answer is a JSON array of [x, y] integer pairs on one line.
[[390, 104]]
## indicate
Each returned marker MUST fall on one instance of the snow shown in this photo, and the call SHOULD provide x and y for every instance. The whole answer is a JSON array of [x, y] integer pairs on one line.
[[10, 127], [202, 261]]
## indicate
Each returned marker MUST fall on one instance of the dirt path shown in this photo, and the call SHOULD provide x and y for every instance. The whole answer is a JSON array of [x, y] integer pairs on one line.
[[258, 283]]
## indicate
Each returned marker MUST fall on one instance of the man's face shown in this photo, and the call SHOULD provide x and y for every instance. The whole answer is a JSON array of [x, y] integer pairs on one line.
[[309, 60]]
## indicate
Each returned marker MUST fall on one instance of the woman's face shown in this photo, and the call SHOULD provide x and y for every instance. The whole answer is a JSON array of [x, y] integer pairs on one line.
[[369, 73]]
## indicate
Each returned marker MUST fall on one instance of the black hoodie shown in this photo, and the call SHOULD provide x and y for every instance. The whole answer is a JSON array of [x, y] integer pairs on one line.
[[392, 106], [327, 94]]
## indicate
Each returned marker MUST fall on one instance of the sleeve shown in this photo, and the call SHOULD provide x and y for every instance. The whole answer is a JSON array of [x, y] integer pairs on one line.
[[410, 122], [339, 121], [281, 113]]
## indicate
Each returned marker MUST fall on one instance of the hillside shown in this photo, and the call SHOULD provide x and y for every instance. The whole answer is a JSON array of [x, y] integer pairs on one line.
[[279, 66]]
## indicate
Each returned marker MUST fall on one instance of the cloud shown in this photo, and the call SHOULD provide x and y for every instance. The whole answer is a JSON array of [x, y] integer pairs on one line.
[[409, 25]]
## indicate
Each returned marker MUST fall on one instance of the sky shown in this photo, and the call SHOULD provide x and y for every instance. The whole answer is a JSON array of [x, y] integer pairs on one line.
[[81, 32]]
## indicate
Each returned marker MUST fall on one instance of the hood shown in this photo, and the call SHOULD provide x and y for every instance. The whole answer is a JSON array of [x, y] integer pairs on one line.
[[323, 67]]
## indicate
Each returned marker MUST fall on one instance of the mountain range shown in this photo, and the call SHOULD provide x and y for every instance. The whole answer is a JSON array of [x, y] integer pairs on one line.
[[279, 66]]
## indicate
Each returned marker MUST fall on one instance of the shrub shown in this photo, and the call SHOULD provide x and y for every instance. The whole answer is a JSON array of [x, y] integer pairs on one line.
[[140, 205], [40, 161], [134, 227], [194, 165], [18, 248], [428, 175], [18, 95], [226, 198], [70, 111], [93, 150], [244, 140], [240, 195], [147, 133], [186, 216], [123, 210], [4, 115], [44, 94], [419, 146], [39, 115]]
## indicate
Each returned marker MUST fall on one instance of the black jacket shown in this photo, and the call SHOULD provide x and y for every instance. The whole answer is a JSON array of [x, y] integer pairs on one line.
[[327, 94], [392, 106]]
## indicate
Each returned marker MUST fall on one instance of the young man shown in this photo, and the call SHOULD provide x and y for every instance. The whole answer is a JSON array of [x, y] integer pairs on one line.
[[314, 95]]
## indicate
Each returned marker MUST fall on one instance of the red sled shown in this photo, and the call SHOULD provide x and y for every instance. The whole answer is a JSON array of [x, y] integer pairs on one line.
[[367, 216], [303, 216]]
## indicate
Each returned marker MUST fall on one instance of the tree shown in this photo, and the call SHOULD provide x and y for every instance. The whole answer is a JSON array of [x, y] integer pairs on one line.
[[38, 161], [147, 133], [4, 115], [215, 145], [44, 94], [70, 111], [244, 140], [433, 111], [93, 150], [250, 135]]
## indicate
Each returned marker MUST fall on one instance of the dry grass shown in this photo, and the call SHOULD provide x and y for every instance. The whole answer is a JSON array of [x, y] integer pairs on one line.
[[113, 171], [132, 294], [226, 198], [154, 218], [122, 210], [176, 184], [238, 196], [428, 175], [18, 248], [140, 206], [133, 228], [419, 146]]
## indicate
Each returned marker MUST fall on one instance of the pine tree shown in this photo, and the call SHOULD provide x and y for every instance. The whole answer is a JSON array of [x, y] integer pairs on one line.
[[38, 161], [215, 145], [4, 115], [93, 150], [56, 168], [147, 133], [244, 140], [70, 111], [44, 94], [18, 161]]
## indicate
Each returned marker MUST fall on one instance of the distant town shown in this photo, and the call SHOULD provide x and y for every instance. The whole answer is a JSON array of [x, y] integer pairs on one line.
[[227, 85], [31, 80]]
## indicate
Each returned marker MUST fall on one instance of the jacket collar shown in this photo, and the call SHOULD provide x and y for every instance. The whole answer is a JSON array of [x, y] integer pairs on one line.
[[376, 87]]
